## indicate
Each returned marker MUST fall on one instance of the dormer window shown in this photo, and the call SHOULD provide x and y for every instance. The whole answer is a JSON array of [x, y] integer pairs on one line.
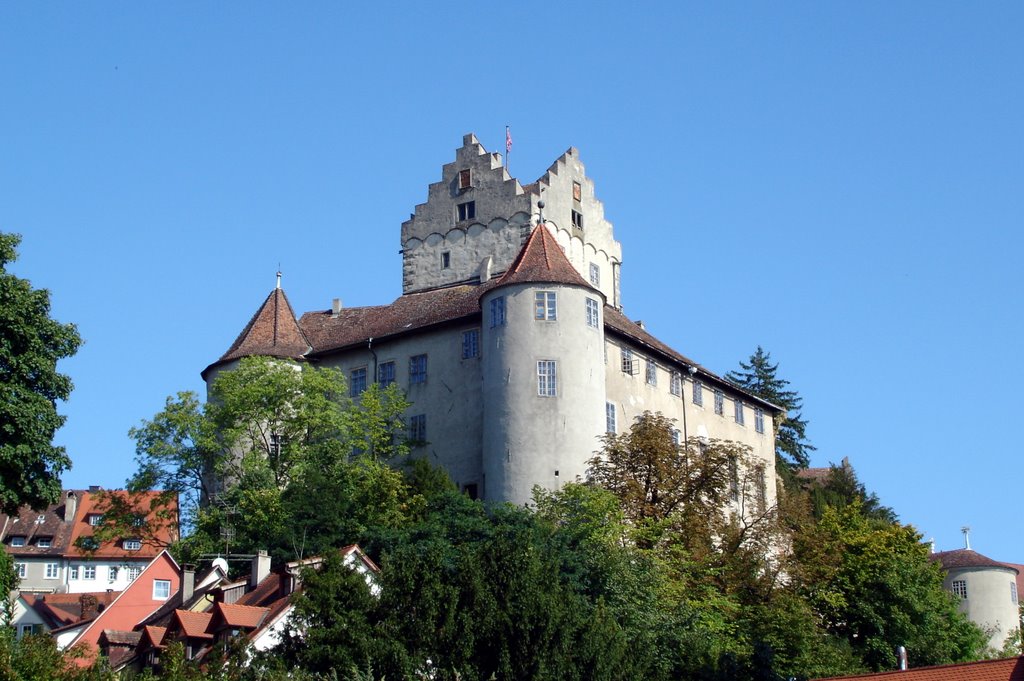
[[17, 541], [95, 519], [467, 210], [465, 179], [40, 519], [132, 544], [44, 542]]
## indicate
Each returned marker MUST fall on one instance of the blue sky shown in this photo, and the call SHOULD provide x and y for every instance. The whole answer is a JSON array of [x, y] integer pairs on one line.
[[840, 183]]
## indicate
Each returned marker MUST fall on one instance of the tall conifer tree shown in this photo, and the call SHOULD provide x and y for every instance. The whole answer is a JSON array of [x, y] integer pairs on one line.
[[758, 377]]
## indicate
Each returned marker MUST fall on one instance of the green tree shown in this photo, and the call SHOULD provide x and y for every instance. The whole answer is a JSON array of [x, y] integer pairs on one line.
[[31, 343], [758, 377]]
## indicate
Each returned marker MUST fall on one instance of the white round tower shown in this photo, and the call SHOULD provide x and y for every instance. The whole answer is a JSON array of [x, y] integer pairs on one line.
[[543, 373]]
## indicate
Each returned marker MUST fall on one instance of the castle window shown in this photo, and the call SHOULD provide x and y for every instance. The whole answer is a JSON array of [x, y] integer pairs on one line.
[[547, 379], [386, 374], [577, 191], [161, 589], [43, 542], [759, 420], [498, 311], [1013, 593], [577, 219], [21, 569], [446, 260], [960, 588], [762, 488], [470, 343], [609, 417], [418, 428], [628, 364], [417, 369], [734, 479], [132, 544], [652, 372], [593, 313], [719, 402], [676, 437], [17, 541], [675, 384], [595, 274], [52, 571], [357, 382], [88, 572], [465, 178], [698, 393], [738, 411], [546, 308], [467, 210]]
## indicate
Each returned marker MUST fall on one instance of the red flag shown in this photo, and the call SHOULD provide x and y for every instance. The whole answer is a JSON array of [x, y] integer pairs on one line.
[[508, 140]]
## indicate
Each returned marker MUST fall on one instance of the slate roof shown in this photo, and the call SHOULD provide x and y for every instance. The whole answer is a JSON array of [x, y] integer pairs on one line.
[[967, 558], [542, 260], [1008, 669]]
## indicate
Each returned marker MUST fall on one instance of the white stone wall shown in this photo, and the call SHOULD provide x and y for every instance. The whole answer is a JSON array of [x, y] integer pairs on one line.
[[988, 603], [529, 439]]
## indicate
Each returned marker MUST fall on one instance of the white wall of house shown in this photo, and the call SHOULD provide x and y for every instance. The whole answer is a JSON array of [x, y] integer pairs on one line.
[[989, 602]]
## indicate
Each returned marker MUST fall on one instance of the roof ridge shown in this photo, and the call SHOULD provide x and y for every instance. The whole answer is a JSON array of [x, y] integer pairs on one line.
[[542, 260]]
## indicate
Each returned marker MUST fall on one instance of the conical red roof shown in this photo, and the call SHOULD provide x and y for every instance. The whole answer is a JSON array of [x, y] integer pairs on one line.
[[272, 332], [542, 260]]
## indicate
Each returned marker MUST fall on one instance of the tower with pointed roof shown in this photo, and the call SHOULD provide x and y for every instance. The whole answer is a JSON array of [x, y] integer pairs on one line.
[[510, 339]]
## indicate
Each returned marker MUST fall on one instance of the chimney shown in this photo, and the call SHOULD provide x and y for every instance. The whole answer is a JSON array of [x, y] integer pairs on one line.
[[335, 307], [90, 606], [260, 568], [70, 506], [188, 583]]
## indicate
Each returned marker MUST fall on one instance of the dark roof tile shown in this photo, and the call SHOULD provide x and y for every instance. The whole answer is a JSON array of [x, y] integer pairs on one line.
[[966, 558], [542, 260]]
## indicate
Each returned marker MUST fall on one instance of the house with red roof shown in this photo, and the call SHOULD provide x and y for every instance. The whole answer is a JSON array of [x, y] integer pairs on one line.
[[1008, 669], [511, 338]]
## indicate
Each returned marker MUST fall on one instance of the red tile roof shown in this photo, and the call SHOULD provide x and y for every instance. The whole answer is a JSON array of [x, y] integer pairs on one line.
[[966, 558], [272, 331], [1009, 669], [63, 609], [542, 260], [92, 503], [192, 624], [155, 635], [238, 616]]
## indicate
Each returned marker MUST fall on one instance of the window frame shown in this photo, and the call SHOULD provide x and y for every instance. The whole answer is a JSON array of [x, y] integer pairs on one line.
[[498, 311], [698, 393], [466, 178], [593, 313], [357, 387], [17, 541], [577, 219], [418, 428], [759, 420], [959, 588], [595, 274], [465, 211], [627, 358], [134, 571], [719, 402], [545, 306], [132, 544], [164, 586], [21, 569], [51, 571], [73, 572], [89, 572], [651, 372], [471, 348], [418, 369], [547, 378], [44, 542], [610, 418], [675, 384], [383, 381], [737, 412]]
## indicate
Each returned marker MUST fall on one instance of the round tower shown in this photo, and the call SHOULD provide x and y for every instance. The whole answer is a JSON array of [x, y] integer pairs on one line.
[[543, 373]]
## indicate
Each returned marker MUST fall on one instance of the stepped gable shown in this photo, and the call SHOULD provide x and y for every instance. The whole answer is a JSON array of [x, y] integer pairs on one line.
[[412, 312], [542, 260], [272, 332], [967, 558]]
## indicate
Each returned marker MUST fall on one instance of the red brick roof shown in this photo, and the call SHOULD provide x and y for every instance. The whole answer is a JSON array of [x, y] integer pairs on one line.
[[542, 260], [966, 558], [1009, 669], [272, 331]]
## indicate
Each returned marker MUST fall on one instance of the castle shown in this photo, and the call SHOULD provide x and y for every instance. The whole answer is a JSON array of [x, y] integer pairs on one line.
[[510, 339]]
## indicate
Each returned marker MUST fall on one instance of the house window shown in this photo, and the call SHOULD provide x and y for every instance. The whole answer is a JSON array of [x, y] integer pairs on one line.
[[418, 369], [577, 219], [132, 544], [43, 542], [960, 588], [89, 543], [133, 572], [734, 479], [139, 521], [698, 393], [628, 367], [675, 384], [88, 572], [545, 308], [357, 381], [470, 343], [386, 374], [547, 380], [276, 440], [27, 630], [498, 311], [95, 519], [21, 569], [676, 437], [595, 274], [652, 372], [52, 571], [738, 411], [577, 191], [418, 428], [465, 179], [609, 417], [593, 314], [759, 420], [161, 589], [719, 402], [112, 573], [73, 572], [446, 260], [467, 210], [17, 541]]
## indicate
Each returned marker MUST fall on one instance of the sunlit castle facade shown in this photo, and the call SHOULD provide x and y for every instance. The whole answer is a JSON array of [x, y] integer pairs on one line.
[[510, 337]]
